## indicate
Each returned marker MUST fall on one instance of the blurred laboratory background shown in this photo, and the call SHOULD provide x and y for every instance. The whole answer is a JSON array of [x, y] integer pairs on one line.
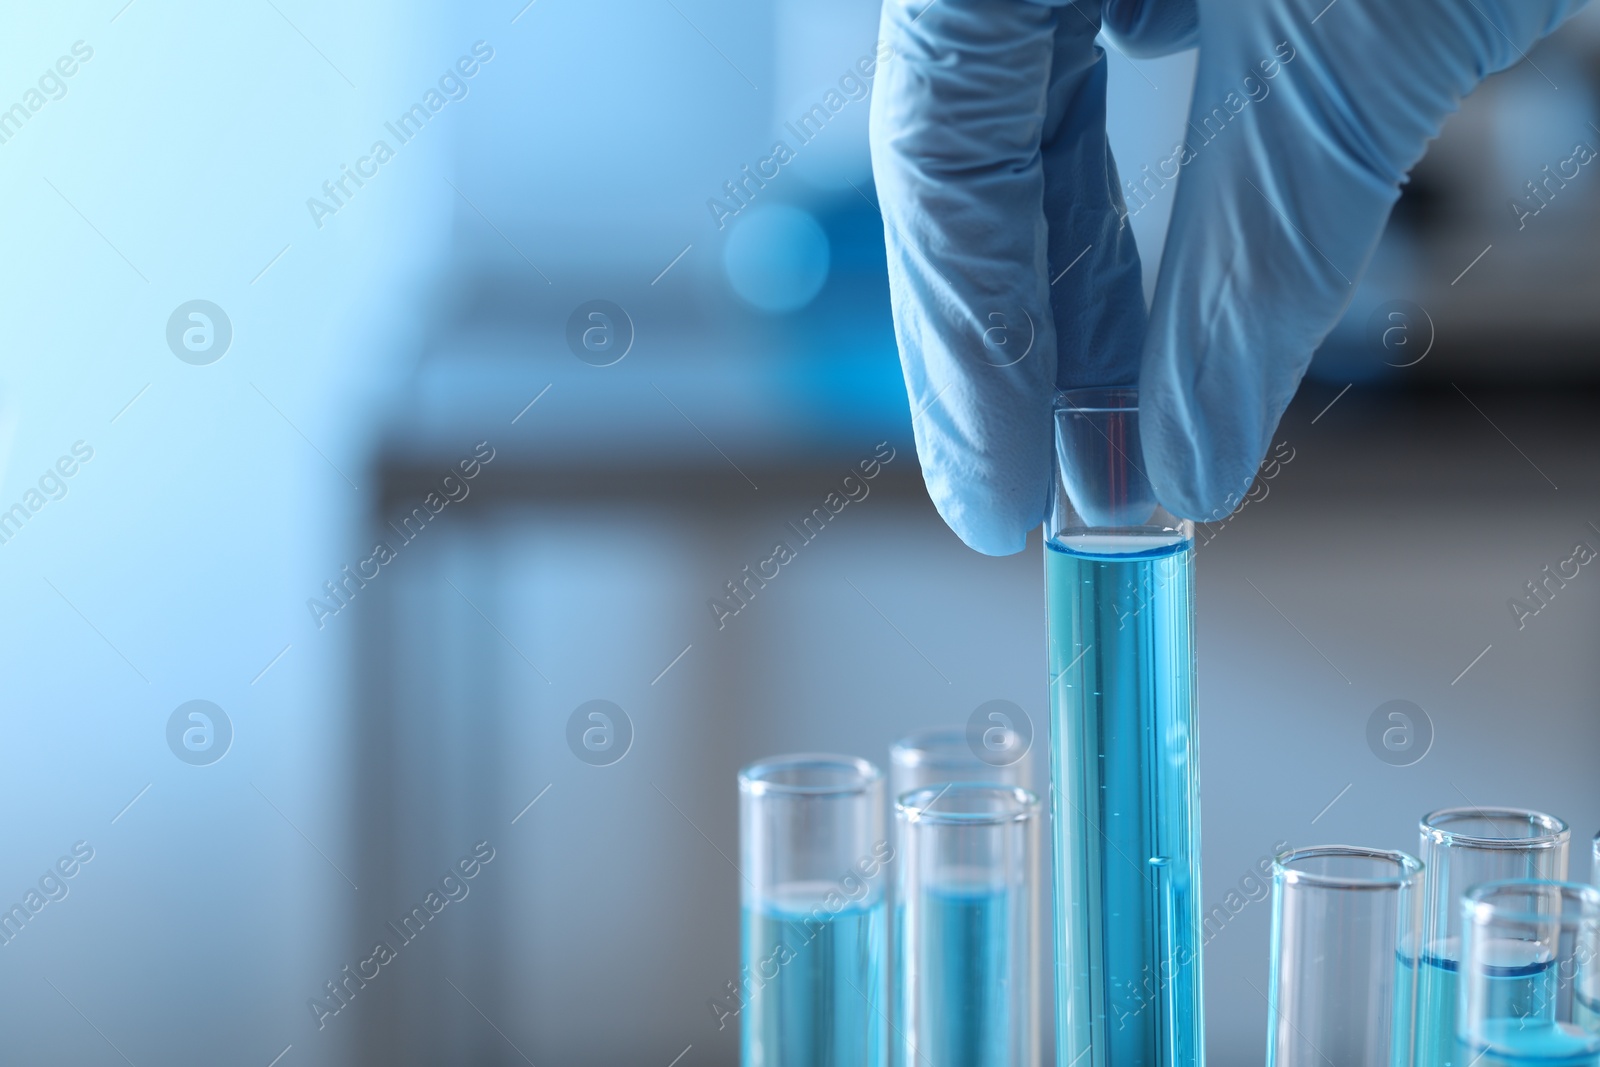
[[398, 460]]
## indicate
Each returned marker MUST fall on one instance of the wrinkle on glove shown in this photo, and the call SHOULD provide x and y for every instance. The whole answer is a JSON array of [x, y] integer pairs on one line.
[[995, 181]]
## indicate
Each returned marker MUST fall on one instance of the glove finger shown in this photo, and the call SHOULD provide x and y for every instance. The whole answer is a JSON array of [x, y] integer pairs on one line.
[[1152, 27], [1095, 283], [988, 111], [1245, 291], [1290, 167]]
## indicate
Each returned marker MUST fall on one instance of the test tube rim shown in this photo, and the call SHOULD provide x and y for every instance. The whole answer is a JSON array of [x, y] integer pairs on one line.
[[1409, 868], [753, 778], [1066, 399], [1557, 832], [1026, 800], [1474, 908], [915, 746]]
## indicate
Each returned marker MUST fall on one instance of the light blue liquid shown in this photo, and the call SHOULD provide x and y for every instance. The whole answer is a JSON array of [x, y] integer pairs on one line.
[[1403, 1039], [1546, 1045], [1126, 803], [1517, 1025], [966, 998], [824, 1002], [1436, 1008], [899, 988]]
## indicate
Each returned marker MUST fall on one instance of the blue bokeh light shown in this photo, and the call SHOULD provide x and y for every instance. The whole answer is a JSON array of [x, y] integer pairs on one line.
[[777, 259]]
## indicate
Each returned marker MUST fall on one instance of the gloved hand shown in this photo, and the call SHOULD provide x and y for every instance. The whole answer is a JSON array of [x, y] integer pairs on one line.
[[1009, 269], [1002, 216]]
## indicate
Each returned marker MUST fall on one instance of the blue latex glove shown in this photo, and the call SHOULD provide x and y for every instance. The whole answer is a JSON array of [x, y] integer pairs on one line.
[[1001, 211], [993, 174]]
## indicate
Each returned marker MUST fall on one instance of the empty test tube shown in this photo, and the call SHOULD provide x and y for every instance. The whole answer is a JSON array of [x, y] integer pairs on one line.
[[967, 955], [1529, 996], [815, 858], [1341, 988], [1462, 848]]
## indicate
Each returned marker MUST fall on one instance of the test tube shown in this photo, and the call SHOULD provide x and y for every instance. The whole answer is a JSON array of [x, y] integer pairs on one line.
[[1530, 952], [814, 856], [1341, 985], [942, 754], [1462, 848], [966, 879], [1126, 800], [938, 756]]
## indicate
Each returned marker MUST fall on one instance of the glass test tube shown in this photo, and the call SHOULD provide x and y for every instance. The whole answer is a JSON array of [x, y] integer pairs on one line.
[[967, 968], [1341, 983], [1119, 586], [942, 754], [814, 855], [1530, 953], [937, 756], [1463, 848]]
